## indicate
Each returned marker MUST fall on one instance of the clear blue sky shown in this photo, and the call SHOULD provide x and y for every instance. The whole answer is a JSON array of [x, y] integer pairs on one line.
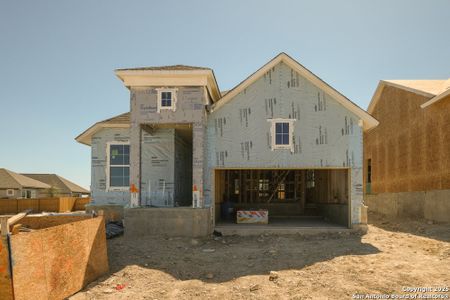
[[57, 57]]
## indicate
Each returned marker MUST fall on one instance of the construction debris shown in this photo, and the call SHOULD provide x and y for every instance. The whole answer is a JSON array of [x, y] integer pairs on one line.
[[208, 250], [113, 229], [273, 276]]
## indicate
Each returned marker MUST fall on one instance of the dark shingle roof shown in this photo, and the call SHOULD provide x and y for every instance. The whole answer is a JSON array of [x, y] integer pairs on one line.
[[166, 68], [119, 119], [12, 180], [58, 182]]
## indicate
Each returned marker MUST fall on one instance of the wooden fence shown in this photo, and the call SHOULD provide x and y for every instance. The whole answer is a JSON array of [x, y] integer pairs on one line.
[[61, 204]]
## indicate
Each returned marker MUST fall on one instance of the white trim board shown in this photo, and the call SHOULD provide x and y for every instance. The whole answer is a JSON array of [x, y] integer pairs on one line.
[[173, 100], [146, 78], [436, 99], [275, 146], [85, 137]]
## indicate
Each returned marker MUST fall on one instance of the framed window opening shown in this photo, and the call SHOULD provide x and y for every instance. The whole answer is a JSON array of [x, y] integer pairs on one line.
[[118, 166], [369, 177], [282, 132], [9, 192], [263, 187], [28, 194], [167, 99]]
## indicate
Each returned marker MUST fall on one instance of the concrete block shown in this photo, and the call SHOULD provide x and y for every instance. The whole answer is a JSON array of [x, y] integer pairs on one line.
[[385, 204], [437, 205], [336, 213], [363, 212], [177, 221], [432, 205], [411, 204]]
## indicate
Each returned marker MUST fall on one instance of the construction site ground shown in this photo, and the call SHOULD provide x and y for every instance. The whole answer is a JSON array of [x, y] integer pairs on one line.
[[390, 258]]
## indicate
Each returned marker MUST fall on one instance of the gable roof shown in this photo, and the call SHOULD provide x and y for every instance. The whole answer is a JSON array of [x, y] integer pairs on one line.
[[445, 91], [433, 89], [368, 121], [12, 180], [119, 121], [59, 183]]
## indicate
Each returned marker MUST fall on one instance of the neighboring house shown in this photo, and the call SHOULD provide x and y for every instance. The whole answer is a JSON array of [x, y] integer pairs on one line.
[[282, 139], [13, 186], [60, 187], [407, 157]]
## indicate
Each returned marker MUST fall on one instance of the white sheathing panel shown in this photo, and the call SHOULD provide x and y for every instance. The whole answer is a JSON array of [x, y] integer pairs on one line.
[[183, 171], [190, 110], [100, 194], [326, 134], [157, 179], [158, 165]]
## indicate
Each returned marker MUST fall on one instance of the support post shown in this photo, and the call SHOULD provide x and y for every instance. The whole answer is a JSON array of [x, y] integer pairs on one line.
[[135, 164], [198, 155]]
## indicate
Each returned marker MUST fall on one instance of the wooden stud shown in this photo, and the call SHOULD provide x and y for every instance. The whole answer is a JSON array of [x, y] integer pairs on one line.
[[4, 226], [241, 187]]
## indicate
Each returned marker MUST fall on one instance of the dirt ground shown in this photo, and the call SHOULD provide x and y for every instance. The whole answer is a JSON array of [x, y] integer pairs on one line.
[[388, 258]]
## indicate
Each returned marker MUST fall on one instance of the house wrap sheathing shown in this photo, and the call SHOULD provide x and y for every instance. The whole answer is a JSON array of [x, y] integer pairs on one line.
[[281, 122]]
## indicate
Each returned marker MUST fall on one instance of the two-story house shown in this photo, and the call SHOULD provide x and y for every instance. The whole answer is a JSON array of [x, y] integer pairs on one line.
[[282, 140]]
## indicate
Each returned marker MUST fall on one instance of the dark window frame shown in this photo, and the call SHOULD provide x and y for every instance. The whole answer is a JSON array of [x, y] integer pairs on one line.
[[282, 136]]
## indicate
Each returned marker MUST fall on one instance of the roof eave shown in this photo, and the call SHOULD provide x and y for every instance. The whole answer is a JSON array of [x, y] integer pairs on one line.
[[86, 137], [383, 83], [204, 77], [436, 99], [369, 121]]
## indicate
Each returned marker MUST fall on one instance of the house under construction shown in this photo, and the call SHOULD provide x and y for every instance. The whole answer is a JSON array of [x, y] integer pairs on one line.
[[281, 141]]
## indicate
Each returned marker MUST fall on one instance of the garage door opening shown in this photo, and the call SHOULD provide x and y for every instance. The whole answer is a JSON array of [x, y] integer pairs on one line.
[[292, 197]]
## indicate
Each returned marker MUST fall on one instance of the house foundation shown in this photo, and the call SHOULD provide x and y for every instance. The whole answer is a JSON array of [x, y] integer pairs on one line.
[[431, 205], [176, 221]]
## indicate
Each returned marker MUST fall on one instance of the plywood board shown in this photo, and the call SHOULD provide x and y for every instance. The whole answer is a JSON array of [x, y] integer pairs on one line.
[[55, 262], [6, 291], [410, 148]]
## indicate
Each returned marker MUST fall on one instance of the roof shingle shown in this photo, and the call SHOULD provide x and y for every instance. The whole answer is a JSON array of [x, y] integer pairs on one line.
[[60, 183], [12, 180]]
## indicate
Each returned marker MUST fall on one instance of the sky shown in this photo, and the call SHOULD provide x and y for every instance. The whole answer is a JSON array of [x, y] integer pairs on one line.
[[57, 58]]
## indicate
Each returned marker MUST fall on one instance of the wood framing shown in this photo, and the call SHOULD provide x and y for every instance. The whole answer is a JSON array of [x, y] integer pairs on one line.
[[282, 191]]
